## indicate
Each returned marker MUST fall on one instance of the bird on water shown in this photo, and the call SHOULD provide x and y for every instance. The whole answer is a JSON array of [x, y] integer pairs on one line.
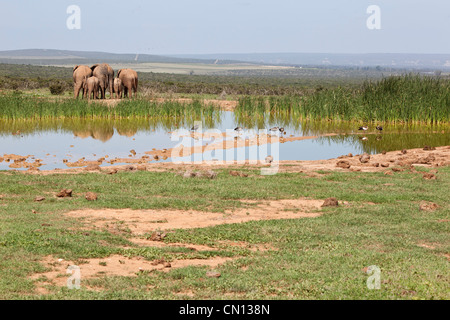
[[363, 128]]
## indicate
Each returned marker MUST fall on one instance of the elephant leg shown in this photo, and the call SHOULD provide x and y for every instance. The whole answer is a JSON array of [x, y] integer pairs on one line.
[[76, 90]]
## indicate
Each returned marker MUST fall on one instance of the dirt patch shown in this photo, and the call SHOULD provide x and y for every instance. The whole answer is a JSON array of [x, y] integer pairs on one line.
[[140, 222], [116, 265]]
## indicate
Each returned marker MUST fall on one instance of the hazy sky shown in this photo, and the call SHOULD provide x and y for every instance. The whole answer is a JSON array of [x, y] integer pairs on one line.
[[227, 26]]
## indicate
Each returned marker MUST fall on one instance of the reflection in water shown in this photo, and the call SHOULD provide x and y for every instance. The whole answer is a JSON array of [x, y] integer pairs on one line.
[[116, 137]]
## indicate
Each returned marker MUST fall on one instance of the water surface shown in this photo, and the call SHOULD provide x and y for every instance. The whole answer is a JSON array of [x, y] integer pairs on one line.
[[59, 142]]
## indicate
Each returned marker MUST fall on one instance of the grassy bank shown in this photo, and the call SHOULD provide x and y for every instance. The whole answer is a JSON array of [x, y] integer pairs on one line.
[[16, 106], [312, 258], [403, 99]]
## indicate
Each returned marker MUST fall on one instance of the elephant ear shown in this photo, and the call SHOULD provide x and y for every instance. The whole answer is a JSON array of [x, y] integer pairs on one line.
[[75, 68], [118, 72], [94, 66]]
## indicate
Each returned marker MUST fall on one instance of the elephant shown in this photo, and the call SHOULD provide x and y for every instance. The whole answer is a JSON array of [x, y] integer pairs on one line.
[[91, 86], [129, 79], [80, 72], [105, 75], [118, 88]]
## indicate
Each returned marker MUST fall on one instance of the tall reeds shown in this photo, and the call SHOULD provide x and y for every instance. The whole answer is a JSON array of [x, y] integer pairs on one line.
[[408, 98], [21, 107]]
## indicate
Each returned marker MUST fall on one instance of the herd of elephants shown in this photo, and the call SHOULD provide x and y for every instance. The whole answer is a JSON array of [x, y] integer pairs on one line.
[[100, 77]]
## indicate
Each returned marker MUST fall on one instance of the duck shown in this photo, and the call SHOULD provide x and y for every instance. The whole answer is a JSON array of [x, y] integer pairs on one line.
[[274, 129], [281, 129], [379, 128], [363, 128], [238, 129], [194, 128]]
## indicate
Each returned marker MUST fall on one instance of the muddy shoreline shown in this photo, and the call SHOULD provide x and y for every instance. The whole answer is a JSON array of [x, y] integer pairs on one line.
[[389, 161]]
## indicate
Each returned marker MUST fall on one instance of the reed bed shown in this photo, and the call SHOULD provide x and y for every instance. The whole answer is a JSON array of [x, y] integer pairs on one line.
[[14, 107], [408, 98]]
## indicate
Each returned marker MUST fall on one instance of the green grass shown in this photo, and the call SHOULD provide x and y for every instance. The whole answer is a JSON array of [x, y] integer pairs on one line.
[[312, 258], [18, 107], [408, 98]]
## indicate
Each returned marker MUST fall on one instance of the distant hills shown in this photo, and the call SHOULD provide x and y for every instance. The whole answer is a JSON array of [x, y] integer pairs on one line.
[[372, 60], [67, 57], [385, 60]]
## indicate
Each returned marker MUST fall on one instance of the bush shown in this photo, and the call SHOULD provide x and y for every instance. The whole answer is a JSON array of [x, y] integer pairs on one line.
[[56, 88]]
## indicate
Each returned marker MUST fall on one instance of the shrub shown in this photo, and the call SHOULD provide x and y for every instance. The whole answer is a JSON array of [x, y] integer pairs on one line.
[[56, 88]]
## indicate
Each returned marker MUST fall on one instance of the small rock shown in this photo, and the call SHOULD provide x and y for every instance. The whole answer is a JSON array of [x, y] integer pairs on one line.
[[38, 198], [429, 176], [376, 164], [167, 264], [388, 173], [404, 151], [330, 202], [112, 171], [428, 148], [428, 206], [133, 152], [64, 193], [385, 165], [269, 159], [234, 173], [364, 158], [426, 160], [188, 174], [157, 236], [156, 157], [350, 155], [397, 169], [210, 174], [213, 274], [91, 196], [343, 164]]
